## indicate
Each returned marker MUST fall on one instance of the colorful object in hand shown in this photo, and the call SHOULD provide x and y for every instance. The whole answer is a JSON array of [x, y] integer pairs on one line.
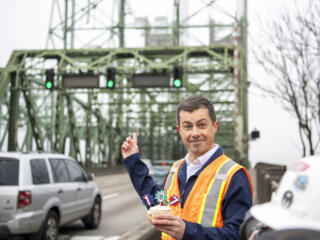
[[161, 197], [148, 200], [174, 200]]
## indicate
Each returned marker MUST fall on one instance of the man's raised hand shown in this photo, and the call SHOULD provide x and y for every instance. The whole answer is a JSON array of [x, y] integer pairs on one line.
[[130, 146]]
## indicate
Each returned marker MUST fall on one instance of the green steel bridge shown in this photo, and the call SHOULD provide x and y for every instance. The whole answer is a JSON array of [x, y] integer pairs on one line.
[[83, 116]]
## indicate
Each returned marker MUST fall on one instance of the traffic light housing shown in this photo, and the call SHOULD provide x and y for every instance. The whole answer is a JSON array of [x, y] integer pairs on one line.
[[49, 79], [177, 76], [111, 77]]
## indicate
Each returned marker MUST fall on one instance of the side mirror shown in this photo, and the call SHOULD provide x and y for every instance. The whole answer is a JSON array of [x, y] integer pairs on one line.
[[90, 176]]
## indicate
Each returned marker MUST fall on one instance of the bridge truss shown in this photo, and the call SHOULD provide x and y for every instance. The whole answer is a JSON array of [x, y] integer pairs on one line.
[[91, 123]]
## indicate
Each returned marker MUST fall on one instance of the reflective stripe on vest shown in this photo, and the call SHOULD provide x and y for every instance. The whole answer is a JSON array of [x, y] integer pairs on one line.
[[210, 209], [173, 169]]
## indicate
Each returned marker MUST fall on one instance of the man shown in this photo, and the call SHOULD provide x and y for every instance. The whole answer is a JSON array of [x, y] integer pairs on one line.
[[214, 191]]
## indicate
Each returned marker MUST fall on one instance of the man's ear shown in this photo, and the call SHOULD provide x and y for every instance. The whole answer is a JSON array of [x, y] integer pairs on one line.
[[216, 125], [178, 128]]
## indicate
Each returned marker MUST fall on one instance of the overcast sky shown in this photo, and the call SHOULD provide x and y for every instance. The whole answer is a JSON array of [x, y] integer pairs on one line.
[[24, 25]]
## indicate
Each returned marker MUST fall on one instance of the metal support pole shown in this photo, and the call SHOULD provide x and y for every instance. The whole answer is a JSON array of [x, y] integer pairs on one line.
[[72, 23], [65, 29], [121, 22], [244, 34], [176, 28], [88, 131], [13, 114]]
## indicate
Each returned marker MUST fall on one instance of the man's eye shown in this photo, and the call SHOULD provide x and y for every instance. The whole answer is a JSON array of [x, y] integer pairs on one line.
[[202, 125], [187, 126]]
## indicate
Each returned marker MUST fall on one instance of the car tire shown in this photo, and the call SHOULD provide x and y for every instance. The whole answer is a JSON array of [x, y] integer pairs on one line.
[[49, 229], [92, 221]]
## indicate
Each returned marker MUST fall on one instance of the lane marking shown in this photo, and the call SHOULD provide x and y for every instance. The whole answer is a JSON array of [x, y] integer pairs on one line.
[[87, 238], [106, 197], [91, 238]]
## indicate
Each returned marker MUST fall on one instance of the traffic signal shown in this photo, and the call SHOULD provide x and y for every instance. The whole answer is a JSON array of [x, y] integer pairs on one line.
[[49, 79], [111, 77], [177, 76]]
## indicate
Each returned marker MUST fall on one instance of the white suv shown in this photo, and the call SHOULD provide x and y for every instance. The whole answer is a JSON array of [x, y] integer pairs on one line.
[[41, 191]]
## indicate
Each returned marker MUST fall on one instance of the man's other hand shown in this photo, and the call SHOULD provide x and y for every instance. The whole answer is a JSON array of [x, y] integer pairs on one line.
[[170, 224], [130, 146]]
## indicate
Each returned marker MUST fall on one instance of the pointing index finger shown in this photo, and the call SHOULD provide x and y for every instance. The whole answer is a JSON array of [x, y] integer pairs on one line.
[[134, 137]]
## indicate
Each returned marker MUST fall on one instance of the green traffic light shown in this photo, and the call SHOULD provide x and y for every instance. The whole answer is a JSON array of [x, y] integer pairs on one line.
[[48, 85], [110, 84], [177, 83]]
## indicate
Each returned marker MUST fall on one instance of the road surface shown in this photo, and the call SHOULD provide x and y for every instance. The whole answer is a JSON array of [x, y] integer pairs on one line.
[[122, 209]]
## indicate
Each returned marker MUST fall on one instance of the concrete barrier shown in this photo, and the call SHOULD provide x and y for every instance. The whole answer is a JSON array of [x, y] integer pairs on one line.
[[105, 171], [268, 177]]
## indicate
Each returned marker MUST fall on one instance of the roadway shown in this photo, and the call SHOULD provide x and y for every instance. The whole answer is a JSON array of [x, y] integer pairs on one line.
[[122, 209]]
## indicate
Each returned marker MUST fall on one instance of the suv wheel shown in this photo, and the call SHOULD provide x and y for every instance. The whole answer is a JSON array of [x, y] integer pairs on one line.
[[50, 228], [92, 221]]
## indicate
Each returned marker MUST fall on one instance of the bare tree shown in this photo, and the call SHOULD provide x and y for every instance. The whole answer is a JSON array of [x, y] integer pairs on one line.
[[290, 55]]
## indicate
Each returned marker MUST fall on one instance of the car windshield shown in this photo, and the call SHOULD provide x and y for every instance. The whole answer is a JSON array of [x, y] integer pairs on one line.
[[9, 171]]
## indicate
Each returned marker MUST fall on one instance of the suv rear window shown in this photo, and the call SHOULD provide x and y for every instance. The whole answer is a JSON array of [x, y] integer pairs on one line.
[[9, 171], [40, 174]]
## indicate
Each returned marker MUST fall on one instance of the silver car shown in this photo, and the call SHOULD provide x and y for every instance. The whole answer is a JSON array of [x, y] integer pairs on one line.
[[40, 192]]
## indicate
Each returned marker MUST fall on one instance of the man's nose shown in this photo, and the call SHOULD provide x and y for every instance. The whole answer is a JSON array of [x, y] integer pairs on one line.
[[195, 132]]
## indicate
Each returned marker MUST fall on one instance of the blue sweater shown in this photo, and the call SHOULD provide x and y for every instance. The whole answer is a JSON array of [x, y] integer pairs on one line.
[[235, 204]]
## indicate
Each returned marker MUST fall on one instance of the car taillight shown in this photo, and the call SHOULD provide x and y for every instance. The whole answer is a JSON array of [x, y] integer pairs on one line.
[[24, 198], [163, 164]]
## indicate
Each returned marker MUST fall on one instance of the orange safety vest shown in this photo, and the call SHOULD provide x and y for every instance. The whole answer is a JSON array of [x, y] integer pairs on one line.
[[204, 203]]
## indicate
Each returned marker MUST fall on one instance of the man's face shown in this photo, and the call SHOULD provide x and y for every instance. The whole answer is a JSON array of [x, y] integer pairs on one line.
[[197, 131]]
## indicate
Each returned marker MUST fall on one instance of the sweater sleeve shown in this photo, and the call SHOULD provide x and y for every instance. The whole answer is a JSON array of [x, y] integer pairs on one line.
[[139, 175], [236, 203]]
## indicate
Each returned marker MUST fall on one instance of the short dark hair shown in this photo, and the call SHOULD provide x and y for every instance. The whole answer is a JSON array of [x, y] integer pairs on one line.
[[192, 103]]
